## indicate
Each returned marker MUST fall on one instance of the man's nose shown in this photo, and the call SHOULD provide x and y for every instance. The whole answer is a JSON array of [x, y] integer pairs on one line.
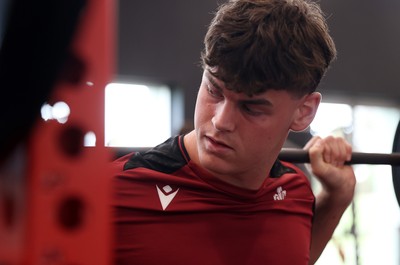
[[225, 116]]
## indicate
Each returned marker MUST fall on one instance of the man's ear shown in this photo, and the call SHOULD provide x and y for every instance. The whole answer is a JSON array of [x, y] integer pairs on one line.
[[306, 111]]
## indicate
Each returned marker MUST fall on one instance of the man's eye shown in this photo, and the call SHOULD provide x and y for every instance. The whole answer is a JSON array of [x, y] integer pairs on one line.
[[251, 110]]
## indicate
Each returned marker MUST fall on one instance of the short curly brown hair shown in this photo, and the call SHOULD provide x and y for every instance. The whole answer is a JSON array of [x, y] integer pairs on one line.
[[255, 45]]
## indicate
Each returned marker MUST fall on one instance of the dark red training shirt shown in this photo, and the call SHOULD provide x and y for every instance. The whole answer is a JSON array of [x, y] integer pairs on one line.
[[168, 210]]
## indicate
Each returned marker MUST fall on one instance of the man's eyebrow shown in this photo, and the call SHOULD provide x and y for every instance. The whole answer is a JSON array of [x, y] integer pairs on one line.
[[257, 101]]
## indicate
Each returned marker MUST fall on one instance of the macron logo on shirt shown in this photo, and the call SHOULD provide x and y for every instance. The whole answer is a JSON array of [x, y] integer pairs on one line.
[[166, 195]]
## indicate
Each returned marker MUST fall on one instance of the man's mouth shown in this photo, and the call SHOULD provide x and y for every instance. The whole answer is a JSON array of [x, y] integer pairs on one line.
[[216, 144]]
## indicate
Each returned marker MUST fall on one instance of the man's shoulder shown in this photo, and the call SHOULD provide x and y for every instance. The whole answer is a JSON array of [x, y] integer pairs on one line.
[[292, 177], [281, 168], [166, 157]]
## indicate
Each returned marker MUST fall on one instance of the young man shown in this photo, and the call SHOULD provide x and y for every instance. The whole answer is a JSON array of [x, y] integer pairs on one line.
[[218, 195]]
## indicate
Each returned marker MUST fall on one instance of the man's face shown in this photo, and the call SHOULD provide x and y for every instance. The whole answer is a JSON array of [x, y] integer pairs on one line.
[[239, 135]]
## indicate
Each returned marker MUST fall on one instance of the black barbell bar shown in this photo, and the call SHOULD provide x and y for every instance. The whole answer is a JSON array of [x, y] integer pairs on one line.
[[301, 156]]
